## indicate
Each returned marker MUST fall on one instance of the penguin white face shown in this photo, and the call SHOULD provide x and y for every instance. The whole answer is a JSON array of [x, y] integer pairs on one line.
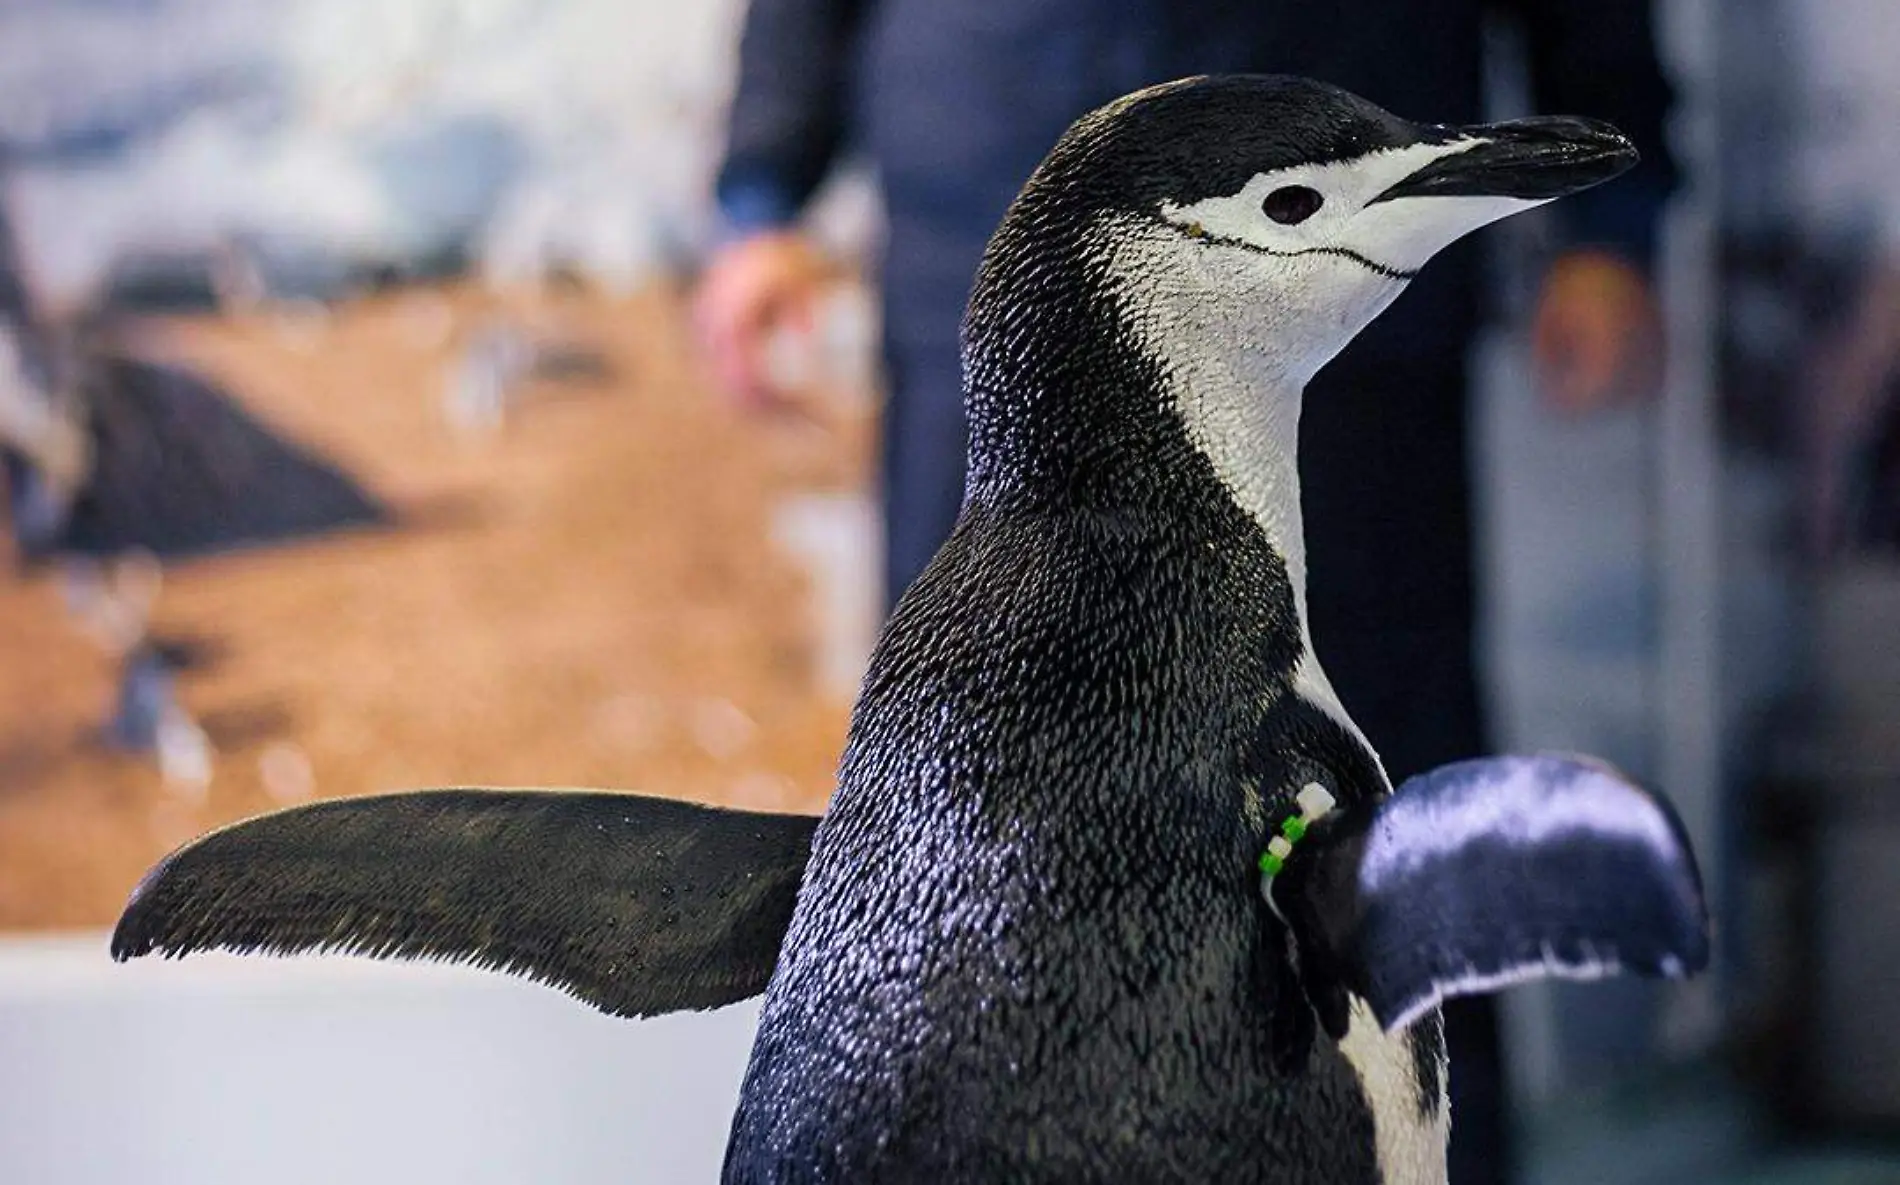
[[1332, 243], [1300, 199], [1339, 209]]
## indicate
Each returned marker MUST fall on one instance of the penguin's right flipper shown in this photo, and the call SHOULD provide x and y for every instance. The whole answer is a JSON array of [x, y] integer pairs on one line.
[[636, 905], [1487, 873]]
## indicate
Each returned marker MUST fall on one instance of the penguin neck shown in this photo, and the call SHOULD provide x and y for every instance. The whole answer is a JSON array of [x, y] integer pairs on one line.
[[1087, 390], [1105, 375], [1241, 406], [1242, 412]]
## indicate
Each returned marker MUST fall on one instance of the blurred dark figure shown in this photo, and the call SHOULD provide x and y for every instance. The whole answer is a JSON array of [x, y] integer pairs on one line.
[[956, 102], [112, 466], [104, 453]]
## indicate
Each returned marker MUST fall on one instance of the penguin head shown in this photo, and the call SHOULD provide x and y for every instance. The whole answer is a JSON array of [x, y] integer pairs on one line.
[[1293, 209]]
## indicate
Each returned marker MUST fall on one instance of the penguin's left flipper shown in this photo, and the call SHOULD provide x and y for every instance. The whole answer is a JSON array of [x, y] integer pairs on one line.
[[1486, 873], [636, 905]]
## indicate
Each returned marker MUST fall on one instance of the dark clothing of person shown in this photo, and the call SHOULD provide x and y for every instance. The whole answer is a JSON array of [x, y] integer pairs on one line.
[[955, 101]]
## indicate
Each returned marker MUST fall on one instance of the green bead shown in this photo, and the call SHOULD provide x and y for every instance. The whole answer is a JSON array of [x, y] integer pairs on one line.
[[1271, 864], [1293, 828]]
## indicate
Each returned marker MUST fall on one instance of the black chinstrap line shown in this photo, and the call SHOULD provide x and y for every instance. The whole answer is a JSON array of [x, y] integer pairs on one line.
[[1206, 236]]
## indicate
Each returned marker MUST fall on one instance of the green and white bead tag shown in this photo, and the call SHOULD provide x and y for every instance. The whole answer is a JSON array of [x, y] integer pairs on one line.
[[1315, 801]]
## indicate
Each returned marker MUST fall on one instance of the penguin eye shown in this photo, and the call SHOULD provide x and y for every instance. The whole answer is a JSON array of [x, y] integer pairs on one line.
[[1291, 205]]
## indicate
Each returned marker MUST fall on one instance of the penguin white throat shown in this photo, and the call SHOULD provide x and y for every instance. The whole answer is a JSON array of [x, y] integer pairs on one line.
[[1235, 329], [1230, 331]]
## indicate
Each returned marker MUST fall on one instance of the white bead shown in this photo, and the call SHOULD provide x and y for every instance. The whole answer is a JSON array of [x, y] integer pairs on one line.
[[1280, 847], [1315, 801]]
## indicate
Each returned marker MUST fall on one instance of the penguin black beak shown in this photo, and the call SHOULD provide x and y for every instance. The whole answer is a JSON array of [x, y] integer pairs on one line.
[[1526, 159]]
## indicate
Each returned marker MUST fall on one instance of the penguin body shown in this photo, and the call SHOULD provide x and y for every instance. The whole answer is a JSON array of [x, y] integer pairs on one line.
[[1112, 888], [1038, 875], [1114, 641]]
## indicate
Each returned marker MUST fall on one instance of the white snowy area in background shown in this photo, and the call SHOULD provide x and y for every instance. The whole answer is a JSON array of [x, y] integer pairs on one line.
[[534, 132], [1846, 169]]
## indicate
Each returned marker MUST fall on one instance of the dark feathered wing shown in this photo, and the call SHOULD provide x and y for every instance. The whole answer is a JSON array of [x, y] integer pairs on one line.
[[635, 905], [1487, 873]]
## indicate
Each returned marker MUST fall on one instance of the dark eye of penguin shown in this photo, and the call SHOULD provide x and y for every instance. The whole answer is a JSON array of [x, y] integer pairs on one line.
[[1291, 205]]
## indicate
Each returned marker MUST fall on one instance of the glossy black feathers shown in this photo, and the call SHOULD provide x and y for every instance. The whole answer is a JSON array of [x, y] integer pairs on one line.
[[635, 905], [1205, 137], [1487, 873]]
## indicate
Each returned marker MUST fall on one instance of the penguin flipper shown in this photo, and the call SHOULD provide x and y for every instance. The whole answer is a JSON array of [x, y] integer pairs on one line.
[[1487, 873], [635, 905]]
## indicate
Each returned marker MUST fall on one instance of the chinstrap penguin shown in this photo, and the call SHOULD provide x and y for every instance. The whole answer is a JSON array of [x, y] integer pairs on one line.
[[1032, 938]]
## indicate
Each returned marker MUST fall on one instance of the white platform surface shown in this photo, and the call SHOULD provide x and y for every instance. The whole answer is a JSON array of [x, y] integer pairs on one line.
[[294, 1071]]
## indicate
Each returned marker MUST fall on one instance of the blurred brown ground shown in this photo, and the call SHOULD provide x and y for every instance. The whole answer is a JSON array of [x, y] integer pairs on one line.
[[588, 597]]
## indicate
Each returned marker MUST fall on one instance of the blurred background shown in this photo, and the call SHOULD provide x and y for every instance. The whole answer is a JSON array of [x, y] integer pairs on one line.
[[431, 392]]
